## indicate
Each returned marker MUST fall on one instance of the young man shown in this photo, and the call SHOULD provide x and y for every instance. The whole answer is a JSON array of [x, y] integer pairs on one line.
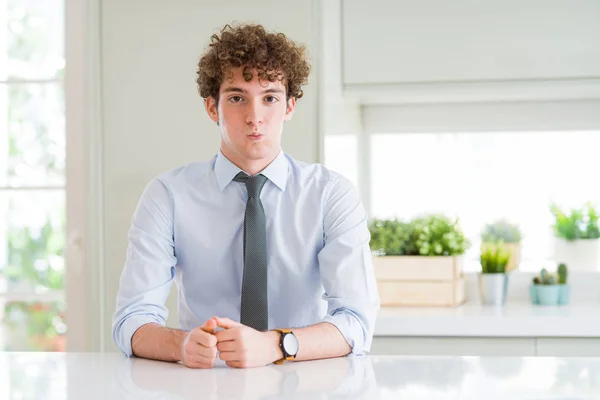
[[271, 256]]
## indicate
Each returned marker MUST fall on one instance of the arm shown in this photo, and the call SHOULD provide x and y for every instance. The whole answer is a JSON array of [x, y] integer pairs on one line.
[[322, 340], [346, 267], [196, 349], [244, 347], [138, 323], [156, 342], [148, 273]]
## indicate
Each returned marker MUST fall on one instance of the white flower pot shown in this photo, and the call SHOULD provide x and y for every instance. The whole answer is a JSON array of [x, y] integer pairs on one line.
[[493, 288], [578, 255]]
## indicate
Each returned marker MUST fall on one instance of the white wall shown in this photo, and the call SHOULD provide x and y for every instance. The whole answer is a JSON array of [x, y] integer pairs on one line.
[[152, 117], [429, 41], [435, 51]]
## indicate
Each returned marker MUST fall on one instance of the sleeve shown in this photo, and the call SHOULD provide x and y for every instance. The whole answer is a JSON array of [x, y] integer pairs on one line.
[[149, 268], [346, 267]]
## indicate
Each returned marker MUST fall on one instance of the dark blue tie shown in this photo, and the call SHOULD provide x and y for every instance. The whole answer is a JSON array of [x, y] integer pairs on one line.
[[255, 302]]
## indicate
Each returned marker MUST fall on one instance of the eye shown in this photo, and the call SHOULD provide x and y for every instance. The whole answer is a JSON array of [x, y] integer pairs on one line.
[[271, 99], [236, 99]]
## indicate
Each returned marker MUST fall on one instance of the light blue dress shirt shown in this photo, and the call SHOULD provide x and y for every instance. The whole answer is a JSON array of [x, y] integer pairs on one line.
[[188, 227]]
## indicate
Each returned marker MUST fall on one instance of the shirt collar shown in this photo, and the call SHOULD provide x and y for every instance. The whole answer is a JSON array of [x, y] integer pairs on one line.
[[276, 171]]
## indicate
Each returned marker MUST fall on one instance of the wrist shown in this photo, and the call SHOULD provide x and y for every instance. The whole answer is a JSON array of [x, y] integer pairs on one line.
[[274, 340], [178, 340]]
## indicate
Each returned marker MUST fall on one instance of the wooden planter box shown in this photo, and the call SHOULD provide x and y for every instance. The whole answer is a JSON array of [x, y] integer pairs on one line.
[[420, 280]]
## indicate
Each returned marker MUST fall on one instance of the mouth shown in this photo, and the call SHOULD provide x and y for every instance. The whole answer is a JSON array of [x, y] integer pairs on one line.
[[255, 136]]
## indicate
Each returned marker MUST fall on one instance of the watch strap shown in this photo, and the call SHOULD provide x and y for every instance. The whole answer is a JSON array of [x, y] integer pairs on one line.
[[286, 356]]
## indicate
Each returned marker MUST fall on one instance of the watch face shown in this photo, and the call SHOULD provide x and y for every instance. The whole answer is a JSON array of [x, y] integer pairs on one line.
[[290, 344]]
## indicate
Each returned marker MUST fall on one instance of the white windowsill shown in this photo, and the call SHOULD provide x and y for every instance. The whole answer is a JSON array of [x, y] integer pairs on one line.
[[517, 318], [473, 319]]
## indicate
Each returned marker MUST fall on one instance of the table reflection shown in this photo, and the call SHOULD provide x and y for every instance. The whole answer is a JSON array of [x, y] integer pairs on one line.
[[348, 377]]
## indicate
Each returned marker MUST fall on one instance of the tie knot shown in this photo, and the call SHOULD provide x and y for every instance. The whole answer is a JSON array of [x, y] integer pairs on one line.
[[254, 184]]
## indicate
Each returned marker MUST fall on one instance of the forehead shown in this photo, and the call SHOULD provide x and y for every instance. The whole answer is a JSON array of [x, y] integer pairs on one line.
[[235, 80]]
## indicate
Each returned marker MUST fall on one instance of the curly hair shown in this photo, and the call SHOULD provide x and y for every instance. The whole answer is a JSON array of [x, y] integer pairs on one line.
[[272, 55]]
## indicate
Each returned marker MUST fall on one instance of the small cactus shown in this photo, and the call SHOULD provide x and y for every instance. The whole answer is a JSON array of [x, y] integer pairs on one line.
[[544, 275], [562, 274], [548, 278]]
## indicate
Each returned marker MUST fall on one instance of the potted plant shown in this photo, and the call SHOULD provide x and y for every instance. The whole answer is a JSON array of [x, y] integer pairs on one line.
[[577, 237], [392, 237], [419, 261], [550, 289], [509, 234], [493, 279]]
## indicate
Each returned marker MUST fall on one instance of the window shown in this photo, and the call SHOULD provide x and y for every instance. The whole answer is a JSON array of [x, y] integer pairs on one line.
[[481, 176], [340, 155], [32, 176]]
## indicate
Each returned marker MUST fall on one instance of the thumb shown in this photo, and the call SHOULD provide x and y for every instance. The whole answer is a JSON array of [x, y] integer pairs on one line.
[[226, 323], [210, 325]]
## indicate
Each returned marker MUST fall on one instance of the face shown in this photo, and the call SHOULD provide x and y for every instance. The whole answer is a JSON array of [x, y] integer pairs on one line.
[[251, 116]]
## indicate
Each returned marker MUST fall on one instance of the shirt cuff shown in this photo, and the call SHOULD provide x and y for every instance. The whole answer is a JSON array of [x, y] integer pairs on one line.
[[128, 328], [351, 329]]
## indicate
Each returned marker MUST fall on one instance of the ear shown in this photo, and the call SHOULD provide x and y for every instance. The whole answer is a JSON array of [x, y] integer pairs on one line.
[[212, 109], [289, 111]]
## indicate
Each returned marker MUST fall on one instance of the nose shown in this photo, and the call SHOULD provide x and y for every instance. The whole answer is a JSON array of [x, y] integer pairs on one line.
[[255, 115]]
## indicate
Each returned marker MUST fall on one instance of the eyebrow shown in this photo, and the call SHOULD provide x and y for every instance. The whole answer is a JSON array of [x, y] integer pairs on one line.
[[233, 89]]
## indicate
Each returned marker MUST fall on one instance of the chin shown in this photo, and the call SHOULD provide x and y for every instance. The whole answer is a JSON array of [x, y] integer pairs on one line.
[[258, 153]]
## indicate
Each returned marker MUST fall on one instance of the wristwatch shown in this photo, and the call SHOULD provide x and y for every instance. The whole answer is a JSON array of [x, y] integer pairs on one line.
[[288, 343]]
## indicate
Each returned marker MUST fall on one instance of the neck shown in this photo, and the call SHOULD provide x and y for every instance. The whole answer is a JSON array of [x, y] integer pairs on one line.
[[251, 167]]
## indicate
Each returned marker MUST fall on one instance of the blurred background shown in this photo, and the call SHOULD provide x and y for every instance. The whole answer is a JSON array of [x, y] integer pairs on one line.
[[478, 110]]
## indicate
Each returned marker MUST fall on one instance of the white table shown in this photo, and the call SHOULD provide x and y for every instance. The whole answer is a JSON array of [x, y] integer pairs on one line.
[[112, 376]]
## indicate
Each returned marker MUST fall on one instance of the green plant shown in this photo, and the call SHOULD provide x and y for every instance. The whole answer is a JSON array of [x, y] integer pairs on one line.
[[494, 259], [392, 237], [548, 278], [426, 235], [439, 235], [562, 274], [501, 230], [577, 223]]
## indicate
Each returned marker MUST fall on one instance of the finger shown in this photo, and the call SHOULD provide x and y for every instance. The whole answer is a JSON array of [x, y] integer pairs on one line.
[[194, 350], [236, 364], [202, 363], [227, 346], [199, 361], [197, 365], [203, 338], [227, 334], [230, 356], [210, 325], [226, 323], [201, 358], [208, 352]]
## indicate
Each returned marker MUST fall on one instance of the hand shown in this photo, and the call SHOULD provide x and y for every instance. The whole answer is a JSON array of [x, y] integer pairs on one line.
[[199, 348], [244, 347]]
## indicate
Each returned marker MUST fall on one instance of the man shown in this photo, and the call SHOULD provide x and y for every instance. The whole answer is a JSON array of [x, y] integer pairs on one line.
[[271, 256]]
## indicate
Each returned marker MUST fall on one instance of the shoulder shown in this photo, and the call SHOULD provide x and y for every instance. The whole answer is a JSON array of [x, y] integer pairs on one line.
[[184, 175], [315, 175]]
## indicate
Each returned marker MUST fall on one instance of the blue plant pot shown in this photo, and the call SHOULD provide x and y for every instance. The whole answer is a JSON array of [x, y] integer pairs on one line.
[[564, 294], [547, 295], [533, 294], [550, 295]]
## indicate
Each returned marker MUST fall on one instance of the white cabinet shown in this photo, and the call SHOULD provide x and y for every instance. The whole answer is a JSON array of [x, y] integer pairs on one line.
[[434, 41], [455, 346], [486, 346], [568, 347]]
